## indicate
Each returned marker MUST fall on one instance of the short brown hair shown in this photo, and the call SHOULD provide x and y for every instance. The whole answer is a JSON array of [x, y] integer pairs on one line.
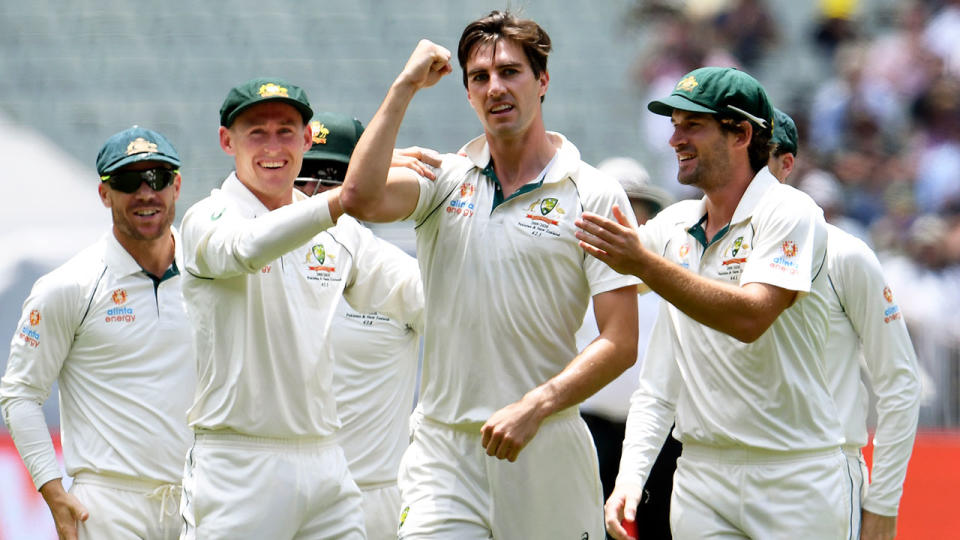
[[505, 25], [760, 146]]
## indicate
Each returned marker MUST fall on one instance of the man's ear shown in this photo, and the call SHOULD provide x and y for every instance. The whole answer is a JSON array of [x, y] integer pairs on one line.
[[226, 141], [104, 195]]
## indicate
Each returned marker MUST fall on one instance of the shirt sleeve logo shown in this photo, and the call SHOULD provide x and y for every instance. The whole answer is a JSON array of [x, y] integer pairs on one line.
[[34, 317], [891, 313], [789, 248]]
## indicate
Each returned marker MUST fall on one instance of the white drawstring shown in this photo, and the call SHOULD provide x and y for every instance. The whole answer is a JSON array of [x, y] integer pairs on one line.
[[167, 493]]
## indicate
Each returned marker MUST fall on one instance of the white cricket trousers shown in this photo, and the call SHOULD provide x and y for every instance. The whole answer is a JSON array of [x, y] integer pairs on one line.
[[452, 490], [122, 508], [747, 493], [240, 487]]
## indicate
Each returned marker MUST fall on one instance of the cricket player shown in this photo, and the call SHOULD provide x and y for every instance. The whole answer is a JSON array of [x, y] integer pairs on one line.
[[375, 356], [736, 353], [867, 331], [264, 281], [501, 451], [110, 327]]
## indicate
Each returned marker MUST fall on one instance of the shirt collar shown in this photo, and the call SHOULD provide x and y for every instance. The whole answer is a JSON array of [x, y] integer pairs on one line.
[[248, 202], [121, 263], [567, 164], [762, 182]]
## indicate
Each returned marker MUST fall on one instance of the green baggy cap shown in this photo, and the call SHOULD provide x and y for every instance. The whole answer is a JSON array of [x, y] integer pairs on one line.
[[715, 90], [262, 90], [785, 132], [334, 137], [135, 144]]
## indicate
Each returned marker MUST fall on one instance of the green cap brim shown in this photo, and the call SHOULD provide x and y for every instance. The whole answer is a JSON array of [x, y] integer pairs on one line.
[[667, 105], [145, 156]]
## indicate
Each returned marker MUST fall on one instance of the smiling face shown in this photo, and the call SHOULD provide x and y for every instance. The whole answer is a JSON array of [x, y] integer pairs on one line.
[[145, 214], [503, 90], [703, 149], [267, 142]]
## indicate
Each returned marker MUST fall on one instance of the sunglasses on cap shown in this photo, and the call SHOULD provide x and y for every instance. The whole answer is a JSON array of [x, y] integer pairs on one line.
[[129, 181]]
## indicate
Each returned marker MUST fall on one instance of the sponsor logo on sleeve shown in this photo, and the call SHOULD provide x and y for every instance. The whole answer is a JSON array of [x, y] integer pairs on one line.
[[785, 262], [891, 312], [120, 313], [29, 335]]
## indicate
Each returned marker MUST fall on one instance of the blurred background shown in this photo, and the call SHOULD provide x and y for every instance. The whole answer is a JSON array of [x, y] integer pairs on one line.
[[874, 86]]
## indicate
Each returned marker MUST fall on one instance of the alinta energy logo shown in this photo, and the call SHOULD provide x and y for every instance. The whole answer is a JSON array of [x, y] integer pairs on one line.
[[461, 206], [891, 313], [30, 336], [121, 313], [784, 262]]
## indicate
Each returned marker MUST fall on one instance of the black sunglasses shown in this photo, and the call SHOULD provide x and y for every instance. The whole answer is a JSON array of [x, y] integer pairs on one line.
[[129, 181]]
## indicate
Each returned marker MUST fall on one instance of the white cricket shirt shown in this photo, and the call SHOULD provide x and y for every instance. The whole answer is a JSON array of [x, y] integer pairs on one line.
[[375, 370], [867, 329], [119, 345], [506, 284], [261, 292], [770, 394]]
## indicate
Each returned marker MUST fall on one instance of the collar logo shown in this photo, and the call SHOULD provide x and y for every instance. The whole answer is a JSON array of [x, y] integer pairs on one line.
[[320, 132], [688, 84], [119, 296], [547, 205], [34, 317], [887, 295], [789, 248], [272, 90], [140, 146], [319, 253]]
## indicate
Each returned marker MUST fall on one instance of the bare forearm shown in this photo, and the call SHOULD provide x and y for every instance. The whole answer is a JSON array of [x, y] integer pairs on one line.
[[366, 176], [724, 307]]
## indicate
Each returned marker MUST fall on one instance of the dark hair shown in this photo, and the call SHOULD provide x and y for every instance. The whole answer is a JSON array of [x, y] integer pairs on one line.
[[505, 25], [760, 145]]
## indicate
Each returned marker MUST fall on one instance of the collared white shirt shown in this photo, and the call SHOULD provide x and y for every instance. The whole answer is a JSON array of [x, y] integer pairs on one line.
[[261, 293], [118, 342], [506, 282], [867, 330], [770, 394]]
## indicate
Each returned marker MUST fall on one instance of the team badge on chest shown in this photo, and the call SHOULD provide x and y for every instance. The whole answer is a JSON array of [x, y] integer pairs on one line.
[[734, 256], [321, 265], [543, 218]]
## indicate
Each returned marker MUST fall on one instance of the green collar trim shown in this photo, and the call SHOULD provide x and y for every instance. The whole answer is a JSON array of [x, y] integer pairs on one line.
[[700, 234], [498, 198]]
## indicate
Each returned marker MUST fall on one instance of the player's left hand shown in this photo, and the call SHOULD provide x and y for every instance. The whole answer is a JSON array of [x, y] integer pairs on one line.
[[508, 430], [614, 242], [877, 527], [420, 160]]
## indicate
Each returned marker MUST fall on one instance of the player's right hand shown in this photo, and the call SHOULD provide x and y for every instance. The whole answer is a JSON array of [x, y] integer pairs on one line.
[[620, 507], [427, 64], [66, 509], [420, 160]]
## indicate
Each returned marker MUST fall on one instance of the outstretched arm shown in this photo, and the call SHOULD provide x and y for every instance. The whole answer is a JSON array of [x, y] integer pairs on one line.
[[744, 312], [367, 194]]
